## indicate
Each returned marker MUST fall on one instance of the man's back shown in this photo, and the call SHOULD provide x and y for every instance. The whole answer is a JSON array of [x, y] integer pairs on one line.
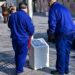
[[64, 23], [21, 26]]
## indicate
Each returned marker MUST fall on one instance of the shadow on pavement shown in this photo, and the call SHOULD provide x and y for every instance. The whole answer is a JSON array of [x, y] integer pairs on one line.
[[7, 57], [47, 70], [7, 63], [41, 35], [8, 71], [27, 64], [40, 14], [73, 57]]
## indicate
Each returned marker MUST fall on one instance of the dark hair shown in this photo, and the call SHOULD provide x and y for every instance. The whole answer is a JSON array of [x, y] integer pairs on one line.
[[22, 5]]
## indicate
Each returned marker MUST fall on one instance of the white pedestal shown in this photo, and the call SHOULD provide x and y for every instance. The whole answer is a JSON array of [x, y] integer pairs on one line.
[[39, 54]]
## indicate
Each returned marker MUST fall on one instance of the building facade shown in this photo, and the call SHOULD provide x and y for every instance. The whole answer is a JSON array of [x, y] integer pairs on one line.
[[42, 5]]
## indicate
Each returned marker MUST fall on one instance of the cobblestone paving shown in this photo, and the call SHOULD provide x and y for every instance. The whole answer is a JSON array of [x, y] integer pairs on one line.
[[7, 66]]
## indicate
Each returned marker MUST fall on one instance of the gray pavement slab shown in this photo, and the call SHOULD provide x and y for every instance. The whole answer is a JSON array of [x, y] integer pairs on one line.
[[7, 64]]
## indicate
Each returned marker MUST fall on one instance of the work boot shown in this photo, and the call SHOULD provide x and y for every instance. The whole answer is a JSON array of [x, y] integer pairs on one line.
[[68, 74]]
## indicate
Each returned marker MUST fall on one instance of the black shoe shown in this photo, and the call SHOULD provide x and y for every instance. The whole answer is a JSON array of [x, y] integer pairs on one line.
[[67, 72], [55, 72]]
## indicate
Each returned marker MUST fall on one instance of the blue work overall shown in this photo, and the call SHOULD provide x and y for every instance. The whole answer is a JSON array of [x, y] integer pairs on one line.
[[21, 28], [61, 25]]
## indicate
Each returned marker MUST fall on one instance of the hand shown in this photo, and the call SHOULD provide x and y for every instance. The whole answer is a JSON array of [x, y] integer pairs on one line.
[[50, 38]]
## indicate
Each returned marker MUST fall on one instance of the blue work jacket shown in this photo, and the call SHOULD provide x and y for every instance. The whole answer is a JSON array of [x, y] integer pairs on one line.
[[21, 25], [60, 20]]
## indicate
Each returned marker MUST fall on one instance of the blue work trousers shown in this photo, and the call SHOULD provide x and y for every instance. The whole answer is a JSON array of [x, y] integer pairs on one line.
[[21, 48], [63, 47]]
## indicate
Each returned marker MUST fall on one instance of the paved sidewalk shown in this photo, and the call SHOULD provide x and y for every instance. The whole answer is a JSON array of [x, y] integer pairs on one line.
[[7, 66]]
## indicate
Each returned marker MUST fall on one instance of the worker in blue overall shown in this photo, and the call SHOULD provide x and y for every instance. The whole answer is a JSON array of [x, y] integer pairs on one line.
[[62, 28], [21, 28]]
